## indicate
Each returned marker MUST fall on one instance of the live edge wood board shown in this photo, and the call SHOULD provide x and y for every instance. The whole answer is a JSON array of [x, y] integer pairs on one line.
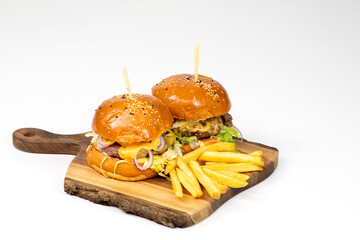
[[152, 198]]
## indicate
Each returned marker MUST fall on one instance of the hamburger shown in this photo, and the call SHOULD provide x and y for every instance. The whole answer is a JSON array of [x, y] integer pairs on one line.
[[131, 138], [200, 109]]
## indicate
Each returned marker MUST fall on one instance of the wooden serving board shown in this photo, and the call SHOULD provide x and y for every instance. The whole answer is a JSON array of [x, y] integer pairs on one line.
[[152, 198]]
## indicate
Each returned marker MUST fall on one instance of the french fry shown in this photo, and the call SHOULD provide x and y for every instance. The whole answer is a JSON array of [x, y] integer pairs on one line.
[[215, 166], [228, 181], [222, 187], [176, 184], [185, 167], [240, 176], [231, 157], [171, 165], [219, 147], [256, 153], [209, 186], [210, 163], [235, 167], [188, 184]]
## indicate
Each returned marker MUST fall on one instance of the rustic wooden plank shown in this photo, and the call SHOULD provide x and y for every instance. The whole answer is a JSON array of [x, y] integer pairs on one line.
[[151, 198], [141, 189]]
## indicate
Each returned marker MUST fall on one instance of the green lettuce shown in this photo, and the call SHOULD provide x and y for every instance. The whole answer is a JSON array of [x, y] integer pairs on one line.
[[226, 133], [159, 166], [177, 148], [186, 140], [190, 141]]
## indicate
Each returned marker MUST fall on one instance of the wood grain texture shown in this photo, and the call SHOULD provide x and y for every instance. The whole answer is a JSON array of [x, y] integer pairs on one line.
[[151, 198]]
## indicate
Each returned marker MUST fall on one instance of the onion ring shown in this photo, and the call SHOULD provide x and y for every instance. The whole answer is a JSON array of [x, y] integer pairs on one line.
[[236, 129], [100, 143], [148, 165], [162, 144]]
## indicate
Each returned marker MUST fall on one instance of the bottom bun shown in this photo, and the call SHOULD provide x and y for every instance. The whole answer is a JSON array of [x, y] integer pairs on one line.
[[124, 171]]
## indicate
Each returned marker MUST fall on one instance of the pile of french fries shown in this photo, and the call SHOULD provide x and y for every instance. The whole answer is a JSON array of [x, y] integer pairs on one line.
[[216, 167]]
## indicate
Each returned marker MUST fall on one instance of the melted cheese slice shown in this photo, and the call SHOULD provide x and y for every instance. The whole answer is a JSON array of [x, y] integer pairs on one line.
[[129, 151], [194, 126], [107, 141]]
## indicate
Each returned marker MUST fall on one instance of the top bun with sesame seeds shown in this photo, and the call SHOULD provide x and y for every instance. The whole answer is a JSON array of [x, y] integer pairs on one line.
[[189, 99], [140, 119]]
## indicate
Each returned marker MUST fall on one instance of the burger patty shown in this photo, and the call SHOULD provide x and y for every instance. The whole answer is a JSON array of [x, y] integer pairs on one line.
[[215, 128], [227, 119], [198, 135], [112, 150]]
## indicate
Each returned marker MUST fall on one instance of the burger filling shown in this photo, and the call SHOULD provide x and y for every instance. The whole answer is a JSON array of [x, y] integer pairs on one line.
[[158, 151], [203, 128], [193, 132]]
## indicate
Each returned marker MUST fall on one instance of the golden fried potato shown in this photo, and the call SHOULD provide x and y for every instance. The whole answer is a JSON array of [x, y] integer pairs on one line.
[[188, 184], [210, 163], [176, 184], [219, 147], [231, 157], [222, 187], [256, 153], [209, 186], [240, 176], [228, 181], [235, 167], [185, 167], [171, 165]]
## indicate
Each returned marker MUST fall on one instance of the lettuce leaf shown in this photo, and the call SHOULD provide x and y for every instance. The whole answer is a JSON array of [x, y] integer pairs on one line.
[[186, 140], [226, 133], [159, 166], [177, 148]]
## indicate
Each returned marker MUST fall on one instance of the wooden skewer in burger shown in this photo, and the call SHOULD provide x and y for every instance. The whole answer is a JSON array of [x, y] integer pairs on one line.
[[131, 139], [200, 107]]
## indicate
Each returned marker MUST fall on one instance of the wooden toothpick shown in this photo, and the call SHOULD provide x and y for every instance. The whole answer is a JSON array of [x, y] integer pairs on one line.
[[126, 82], [196, 54]]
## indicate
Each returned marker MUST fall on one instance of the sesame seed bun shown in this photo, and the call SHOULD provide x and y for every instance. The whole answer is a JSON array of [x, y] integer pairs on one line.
[[122, 120], [192, 100]]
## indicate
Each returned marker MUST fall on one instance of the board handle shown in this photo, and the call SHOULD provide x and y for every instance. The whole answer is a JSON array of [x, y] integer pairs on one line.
[[40, 141]]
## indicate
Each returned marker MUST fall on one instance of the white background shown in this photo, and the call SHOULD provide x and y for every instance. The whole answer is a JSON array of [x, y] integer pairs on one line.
[[291, 68]]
